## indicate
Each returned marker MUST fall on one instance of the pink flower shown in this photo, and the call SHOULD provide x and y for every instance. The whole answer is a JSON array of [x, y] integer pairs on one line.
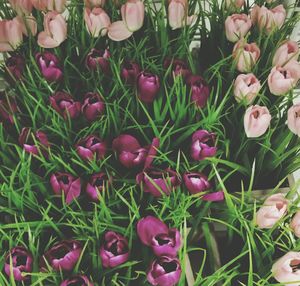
[[94, 3], [21, 6], [237, 26], [55, 31], [236, 4], [293, 120], [10, 35], [289, 51], [256, 121], [96, 21], [40, 4], [295, 224], [28, 24], [50, 5]]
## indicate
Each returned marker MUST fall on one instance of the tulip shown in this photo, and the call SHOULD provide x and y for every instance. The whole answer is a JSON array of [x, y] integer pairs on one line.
[[21, 6], [96, 21], [93, 106], [287, 269], [256, 121], [289, 51], [11, 35], [17, 262], [158, 182], [49, 66], [164, 271], [293, 121], [129, 72], [50, 5], [65, 105], [273, 209], [178, 68], [236, 4], [8, 107], [94, 3], [98, 59], [62, 256], [203, 145], [91, 147], [196, 182], [80, 280], [245, 55], [254, 14], [147, 86], [114, 250], [154, 233], [55, 31], [237, 26], [295, 224], [40, 4], [66, 183], [15, 66], [214, 197], [199, 90], [246, 88], [28, 25], [97, 185]]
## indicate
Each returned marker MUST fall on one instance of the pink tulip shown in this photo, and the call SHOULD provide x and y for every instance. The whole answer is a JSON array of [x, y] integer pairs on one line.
[[10, 35], [245, 55], [235, 4], [28, 24], [246, 88], [293, 120], [254, 14], [40, 4], [289, 51], [21, 6], [96, 21], [50, 5], [295, 224], [237, 26], [94, 3], [256, 121], [273, 209], [55, 31]]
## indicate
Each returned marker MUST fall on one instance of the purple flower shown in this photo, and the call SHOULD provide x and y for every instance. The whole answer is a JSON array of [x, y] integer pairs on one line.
[[114, 250], [199, 90], [98, 59], [8, 107], [164, 271], [62, 256], [154, 233], [147, 86], [214, 196], [49, 66], [15, 66], [91, 147], [178, 67], [66, 183], [196, 182], [129, 72], [93, 106], [78, 280], [130, 152], [96, 185], [65, 105], [203, 145], [157, 182], [21, 260]]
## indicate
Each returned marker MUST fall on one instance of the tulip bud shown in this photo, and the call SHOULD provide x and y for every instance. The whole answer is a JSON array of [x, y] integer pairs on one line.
[[15, 66], [40, 4], [21, 6], [295, 224], [66, 183], [18, 262], [293, 120], [196, 182], [289, 51], [237, 26], [199, 90], [90, 148], [214, 197], [8, 107], [97, 185], [203, 145], [96, 21], [129, 72], [147, 86], [94, 3], [11, 35], [80, 280], [50, 5], [133, 12], [93, 106], [114, 250], [98, 59], [28, 25], [178, 68]]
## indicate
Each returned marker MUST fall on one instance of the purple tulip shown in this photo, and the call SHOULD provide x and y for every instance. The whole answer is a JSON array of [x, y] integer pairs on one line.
[[164, 271], [62, 256], [65, 105], [96, 185], [49, 66], [154, 233], [21, 261], [196, 182], [114, 250], [147, 86], [78, 280], [214, 196], [26, 139], [15, 66], [8, 107], [66, 183], [178, 67], [91, 147], [129, 72], [93, 106], [157, 182], [203, 145], [98, 59], [199, 90]]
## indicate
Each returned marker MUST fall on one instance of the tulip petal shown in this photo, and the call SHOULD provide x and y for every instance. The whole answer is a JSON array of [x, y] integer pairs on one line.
[[45, 41], [214, 197], [125, 142], [118, 31]]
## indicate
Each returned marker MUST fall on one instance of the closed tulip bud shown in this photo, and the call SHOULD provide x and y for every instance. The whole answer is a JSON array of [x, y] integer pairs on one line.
[[18, 262], [11, 35], [237, 26], [114, 250], [91, 147], [50, 5], [15, 66], [199, 90], [93, 106], [28, 25], [164, 271], [178, 68], [234, 4], [293, 120], [98, 59], [254, 14], [214, 197], [96, 21], [96, 185], [94, 3], [196, 182], [155, 234], [8, 107], [129, 72], [21, 6], [80, 280], [67, 184], [289, 51], [148, 86], [203, 145], [295, 224]]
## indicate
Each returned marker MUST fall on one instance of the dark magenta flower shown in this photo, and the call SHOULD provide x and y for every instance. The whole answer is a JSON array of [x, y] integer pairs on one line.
[[157, 182], [154, 233], [114, 250], [62, 256], [8, 107], [196, 182], [148, 85], [199, 90], [129, 72], [98, 59], [65, 105], [15, 66], [178, 67], [49, 66], [78, 280], [21, 261], [91, 147], [214, 196], [203, 145], [164, 271], [93, 106], [130, 152], [67, 184], [96, 185]]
